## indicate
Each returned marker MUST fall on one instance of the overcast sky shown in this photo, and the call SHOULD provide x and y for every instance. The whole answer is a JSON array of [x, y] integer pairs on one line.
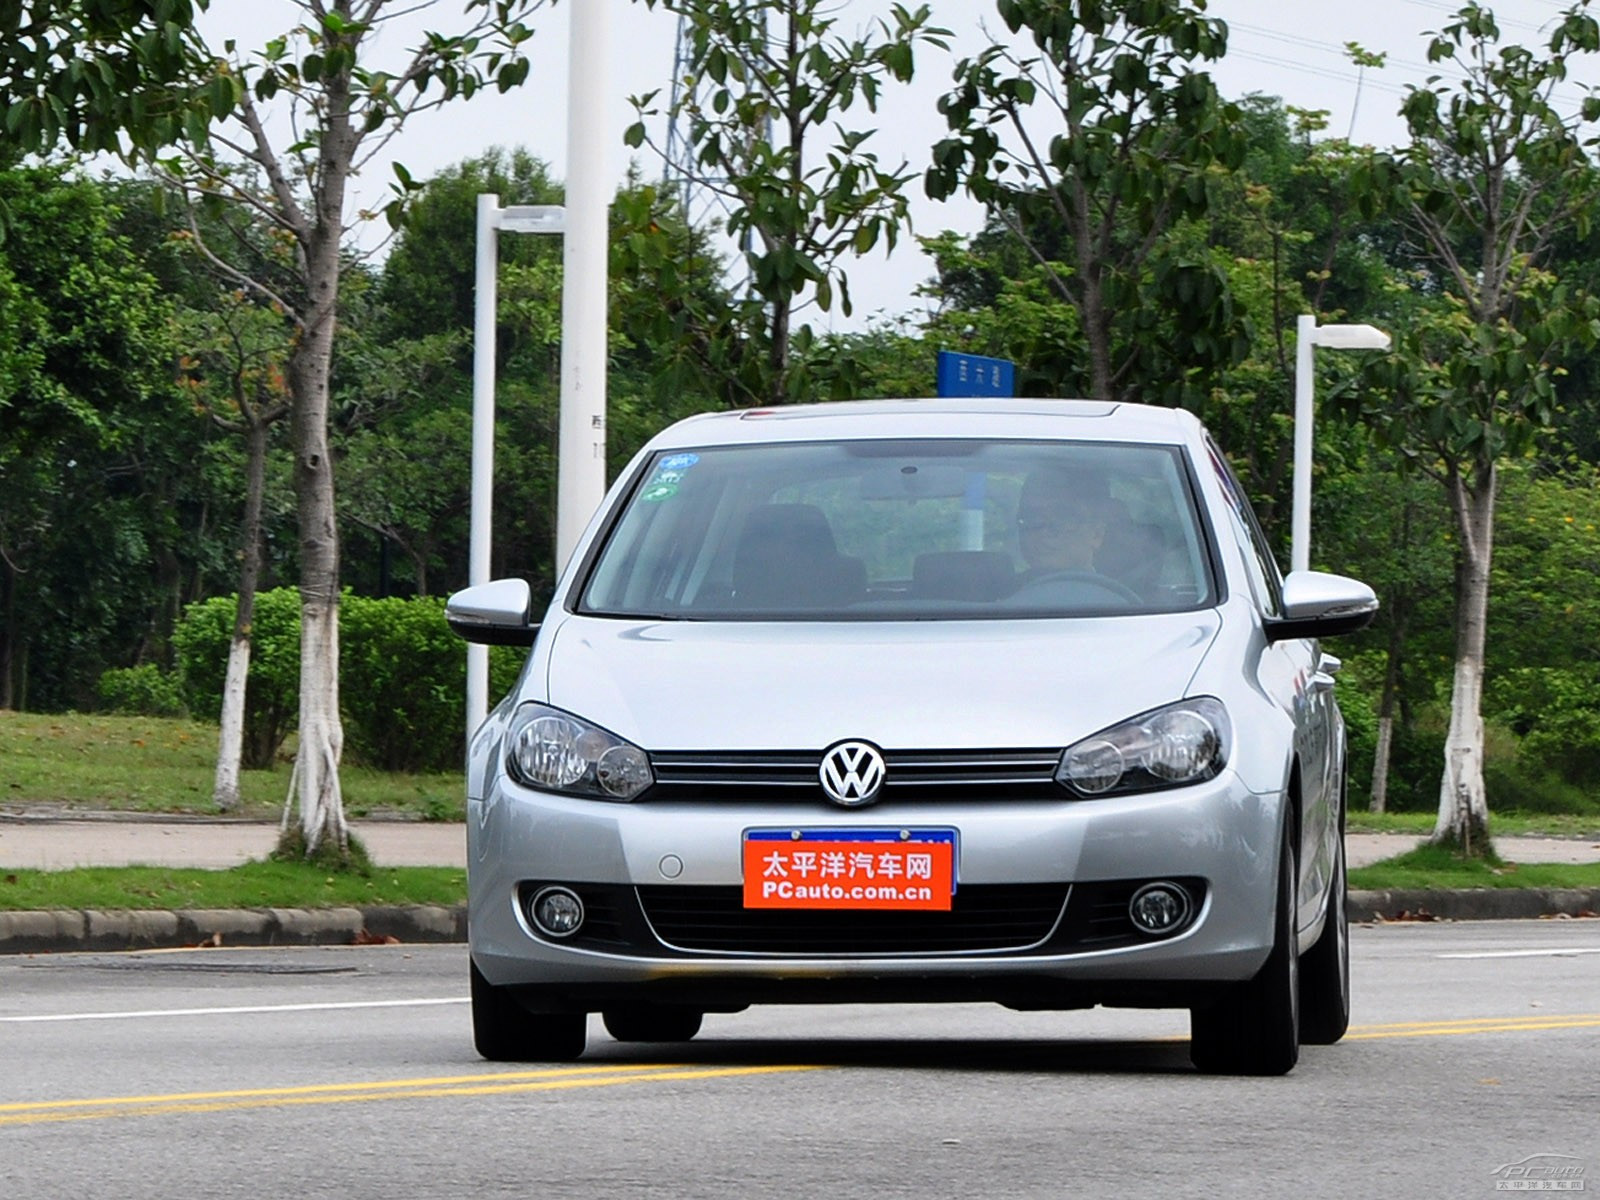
[[1289, 48]]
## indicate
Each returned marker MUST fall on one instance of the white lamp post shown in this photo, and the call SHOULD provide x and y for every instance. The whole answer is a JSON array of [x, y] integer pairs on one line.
[[518, 218], [581, 466], [1333, 337]]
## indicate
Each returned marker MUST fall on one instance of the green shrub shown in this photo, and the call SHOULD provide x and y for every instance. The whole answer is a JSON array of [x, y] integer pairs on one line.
[[1416, 755], [402, 676], [142, 691], [1517, 785], [402, 683], [1556, 711], [272, 693]]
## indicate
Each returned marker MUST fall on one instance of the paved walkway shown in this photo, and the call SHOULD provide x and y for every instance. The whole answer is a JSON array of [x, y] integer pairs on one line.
[[40, 843], [51, 844]]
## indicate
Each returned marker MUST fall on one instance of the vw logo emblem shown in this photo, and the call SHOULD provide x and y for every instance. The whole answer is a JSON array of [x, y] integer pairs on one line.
[[852, 773]]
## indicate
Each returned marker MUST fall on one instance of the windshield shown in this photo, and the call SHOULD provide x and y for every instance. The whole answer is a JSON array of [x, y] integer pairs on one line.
[[899, 529]]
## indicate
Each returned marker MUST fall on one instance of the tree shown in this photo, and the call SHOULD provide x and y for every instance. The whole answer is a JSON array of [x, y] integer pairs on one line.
[[1094, 153], [777, 76], [1493, 173], [343, 110], [234, 357]]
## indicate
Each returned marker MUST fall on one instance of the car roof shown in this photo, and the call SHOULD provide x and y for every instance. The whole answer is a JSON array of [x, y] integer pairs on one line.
[[995, 419]]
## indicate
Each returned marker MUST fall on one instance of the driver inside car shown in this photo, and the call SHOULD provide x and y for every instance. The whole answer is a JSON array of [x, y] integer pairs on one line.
[[1061, 521]]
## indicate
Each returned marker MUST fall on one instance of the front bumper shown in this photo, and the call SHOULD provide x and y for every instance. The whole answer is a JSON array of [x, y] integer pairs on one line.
[[645, 865]]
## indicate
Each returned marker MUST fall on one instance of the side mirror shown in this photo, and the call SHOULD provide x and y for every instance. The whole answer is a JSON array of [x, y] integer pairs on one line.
[[498, 613], [1318, 605]]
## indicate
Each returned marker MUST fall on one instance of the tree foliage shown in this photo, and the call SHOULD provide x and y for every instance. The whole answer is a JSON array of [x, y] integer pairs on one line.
[[97, 448], [1094, 153], [774, 80], [100, 75]]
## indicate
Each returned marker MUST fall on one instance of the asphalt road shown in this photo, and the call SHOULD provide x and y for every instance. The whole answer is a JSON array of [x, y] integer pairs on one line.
[[348, 1073]]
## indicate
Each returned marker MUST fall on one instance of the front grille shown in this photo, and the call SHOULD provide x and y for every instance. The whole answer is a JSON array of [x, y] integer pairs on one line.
[[1033, 918], [995, 917], [909, 775]]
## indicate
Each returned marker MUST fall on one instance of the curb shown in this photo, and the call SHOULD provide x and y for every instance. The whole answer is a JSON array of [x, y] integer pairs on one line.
[[1472, 904], [65, 931]]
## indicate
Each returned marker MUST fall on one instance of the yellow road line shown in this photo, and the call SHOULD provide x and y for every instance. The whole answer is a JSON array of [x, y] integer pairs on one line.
[[567, 1078], [51, 1112], [1471, 1025], [1453, 1023], [368, 1086]]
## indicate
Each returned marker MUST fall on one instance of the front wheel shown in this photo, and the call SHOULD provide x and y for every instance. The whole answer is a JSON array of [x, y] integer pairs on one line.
[[504, 1031], [1254, 1029], [1325, 970]]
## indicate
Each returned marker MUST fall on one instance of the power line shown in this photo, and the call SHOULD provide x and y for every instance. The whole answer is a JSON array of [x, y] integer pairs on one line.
[[1443, 6], [1560, 97]]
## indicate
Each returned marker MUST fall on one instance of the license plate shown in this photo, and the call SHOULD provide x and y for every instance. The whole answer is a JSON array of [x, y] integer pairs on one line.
[[892, 869]]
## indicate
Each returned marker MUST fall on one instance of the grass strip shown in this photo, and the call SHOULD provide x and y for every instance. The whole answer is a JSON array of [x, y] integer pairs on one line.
[[1501, 824], [254, 885], [1437, 867], [159, 764]]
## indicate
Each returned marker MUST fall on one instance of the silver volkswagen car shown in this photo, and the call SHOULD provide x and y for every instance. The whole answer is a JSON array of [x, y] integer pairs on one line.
[[915, 701]]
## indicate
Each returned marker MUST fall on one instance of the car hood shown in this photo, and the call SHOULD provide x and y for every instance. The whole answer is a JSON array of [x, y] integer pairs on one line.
[[911, 685]]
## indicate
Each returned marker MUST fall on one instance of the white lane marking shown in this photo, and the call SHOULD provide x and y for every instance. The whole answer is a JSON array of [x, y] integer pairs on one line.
[[217, 1012], [1551, 953]]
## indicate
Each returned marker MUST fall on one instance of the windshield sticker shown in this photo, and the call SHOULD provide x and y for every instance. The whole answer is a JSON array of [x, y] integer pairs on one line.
[[678, 462], [657, 492]]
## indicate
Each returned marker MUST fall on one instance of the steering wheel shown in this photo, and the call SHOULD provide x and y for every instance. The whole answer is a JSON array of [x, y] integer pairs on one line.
[[1090, 578]]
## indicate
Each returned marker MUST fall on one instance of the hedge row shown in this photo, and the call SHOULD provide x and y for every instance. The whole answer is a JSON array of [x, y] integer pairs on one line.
[[402, 677]]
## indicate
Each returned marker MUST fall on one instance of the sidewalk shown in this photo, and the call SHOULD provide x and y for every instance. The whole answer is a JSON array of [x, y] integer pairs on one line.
[[53, 843], [114, 840]]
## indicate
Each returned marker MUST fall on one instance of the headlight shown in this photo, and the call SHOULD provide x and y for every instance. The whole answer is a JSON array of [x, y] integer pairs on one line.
[[1180, 744], [558, 752]]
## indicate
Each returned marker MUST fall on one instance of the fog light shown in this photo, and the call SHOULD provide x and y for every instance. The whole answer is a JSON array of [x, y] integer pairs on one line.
[[556, 911], [1159, 908]]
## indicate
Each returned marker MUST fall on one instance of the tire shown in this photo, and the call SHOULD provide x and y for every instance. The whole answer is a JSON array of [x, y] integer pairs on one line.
[[1325, 970], [504, 1031], [1255, 1028], [652, 1024]]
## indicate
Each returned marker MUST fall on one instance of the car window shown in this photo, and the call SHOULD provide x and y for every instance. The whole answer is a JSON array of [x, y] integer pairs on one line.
[[1266, 580], [901, 529]]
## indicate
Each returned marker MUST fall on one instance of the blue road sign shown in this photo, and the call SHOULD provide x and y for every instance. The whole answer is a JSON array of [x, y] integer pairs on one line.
[[975, 375]]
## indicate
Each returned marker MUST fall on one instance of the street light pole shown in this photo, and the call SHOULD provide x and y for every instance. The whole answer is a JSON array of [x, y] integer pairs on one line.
[[581, 466], [518, 218], [1309, 335], [581, 471], [485, 290]]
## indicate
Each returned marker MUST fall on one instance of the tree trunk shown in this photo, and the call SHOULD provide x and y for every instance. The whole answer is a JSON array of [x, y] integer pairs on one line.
[[230, 746], [315, 782], [1380, 764], [8, 629], [1097, 329], [1386, 704], [778, 353], [1463, 806]]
